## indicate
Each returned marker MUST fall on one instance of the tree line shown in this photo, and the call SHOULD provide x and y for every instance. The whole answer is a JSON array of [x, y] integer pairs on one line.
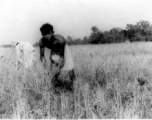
[[141, 31]]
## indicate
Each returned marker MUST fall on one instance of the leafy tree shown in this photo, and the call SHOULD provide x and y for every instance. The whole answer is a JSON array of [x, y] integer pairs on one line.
[[139, 32], [144, 27], [131, 32], [96, 36], [85, 40], [108, 37], [95, 29], [117, 35], [69, 38]]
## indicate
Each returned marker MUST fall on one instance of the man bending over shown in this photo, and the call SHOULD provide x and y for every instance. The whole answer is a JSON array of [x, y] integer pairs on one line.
[[60, 57]]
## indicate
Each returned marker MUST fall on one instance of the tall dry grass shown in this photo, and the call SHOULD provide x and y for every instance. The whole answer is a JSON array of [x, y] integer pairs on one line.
[[113, 81]]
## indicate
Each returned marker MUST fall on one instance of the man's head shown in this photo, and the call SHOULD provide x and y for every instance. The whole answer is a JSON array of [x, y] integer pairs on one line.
[[47, 30]]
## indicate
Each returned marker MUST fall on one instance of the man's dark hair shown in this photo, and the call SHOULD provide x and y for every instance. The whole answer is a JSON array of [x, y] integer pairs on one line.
[[46, 28]]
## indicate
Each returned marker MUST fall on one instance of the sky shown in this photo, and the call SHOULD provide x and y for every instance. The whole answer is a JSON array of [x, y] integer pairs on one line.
[[20, 20]]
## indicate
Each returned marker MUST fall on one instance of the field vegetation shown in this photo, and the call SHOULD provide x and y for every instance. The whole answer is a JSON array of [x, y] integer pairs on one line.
[[112, 81]]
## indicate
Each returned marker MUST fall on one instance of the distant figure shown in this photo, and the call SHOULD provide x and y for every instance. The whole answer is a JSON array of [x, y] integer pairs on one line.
[[1, 51], [60, 57], [25, 54]]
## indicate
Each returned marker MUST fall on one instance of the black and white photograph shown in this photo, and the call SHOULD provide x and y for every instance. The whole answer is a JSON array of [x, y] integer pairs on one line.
[[75, 59]]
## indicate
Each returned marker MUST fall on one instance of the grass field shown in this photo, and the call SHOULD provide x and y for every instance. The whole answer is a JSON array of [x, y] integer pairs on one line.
[[113, 81]]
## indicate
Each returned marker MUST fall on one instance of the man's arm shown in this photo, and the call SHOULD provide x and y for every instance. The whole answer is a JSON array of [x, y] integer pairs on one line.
[[51, 60], [62, 54], [42, 57]]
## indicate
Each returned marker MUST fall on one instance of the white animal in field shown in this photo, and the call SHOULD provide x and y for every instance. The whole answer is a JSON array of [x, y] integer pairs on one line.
[[1, 50], [25, 54]]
